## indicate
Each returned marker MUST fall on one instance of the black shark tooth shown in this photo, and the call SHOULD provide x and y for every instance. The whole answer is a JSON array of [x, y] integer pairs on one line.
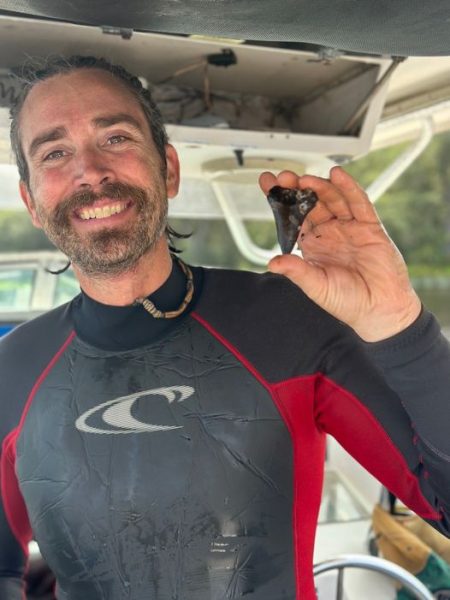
[[290, 208]]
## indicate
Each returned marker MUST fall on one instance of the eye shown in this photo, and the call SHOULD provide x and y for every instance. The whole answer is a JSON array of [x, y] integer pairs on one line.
[[116, 139], [54, 155]]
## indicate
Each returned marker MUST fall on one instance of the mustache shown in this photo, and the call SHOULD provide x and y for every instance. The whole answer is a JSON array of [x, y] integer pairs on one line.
[[114, 190]]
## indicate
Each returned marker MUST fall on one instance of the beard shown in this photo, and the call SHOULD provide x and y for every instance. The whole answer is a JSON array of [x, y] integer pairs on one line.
[[108, 251]]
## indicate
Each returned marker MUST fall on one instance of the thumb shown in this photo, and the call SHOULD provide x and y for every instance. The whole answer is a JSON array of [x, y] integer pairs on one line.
[[296, 269]]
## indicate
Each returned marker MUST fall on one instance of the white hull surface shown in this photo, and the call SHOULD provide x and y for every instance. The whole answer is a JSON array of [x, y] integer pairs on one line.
[[349, 496]]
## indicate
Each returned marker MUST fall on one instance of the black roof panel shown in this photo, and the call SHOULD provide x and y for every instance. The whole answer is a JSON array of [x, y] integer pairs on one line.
[[393, 27]]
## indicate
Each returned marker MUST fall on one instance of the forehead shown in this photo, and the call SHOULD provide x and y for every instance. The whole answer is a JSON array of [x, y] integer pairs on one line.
[[69, 99]]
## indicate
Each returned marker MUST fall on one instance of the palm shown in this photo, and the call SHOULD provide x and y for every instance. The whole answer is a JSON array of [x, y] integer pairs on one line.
[[352, 267]]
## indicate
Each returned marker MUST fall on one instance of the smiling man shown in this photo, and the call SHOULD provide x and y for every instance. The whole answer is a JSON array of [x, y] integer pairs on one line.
[[164, 432]]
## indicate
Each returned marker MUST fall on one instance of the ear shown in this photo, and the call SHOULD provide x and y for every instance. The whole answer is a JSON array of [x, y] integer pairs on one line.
[[25, 194], [173, 171]]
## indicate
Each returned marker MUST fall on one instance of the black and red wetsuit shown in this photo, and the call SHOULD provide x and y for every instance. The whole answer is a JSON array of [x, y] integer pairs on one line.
[[183, 459]]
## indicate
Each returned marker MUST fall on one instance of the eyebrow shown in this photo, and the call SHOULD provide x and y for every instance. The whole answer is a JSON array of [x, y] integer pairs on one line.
[[58, 133], [109, 120], [51, 135]]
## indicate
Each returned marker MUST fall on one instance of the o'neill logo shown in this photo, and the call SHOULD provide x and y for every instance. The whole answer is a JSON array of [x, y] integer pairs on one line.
[[117, 413]]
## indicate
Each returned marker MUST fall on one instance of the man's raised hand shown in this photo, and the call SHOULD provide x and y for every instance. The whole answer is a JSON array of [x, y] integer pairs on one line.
[[350, 267]]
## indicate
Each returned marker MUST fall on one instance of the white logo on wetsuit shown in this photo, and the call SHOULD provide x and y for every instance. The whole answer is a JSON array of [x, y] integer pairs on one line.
[[119, 412]]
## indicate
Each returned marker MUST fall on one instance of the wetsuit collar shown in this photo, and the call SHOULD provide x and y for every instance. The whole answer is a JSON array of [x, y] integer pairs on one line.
[[127, 327]]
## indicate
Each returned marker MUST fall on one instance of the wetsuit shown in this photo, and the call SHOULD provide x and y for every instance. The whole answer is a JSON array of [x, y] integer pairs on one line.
[[183, 459]]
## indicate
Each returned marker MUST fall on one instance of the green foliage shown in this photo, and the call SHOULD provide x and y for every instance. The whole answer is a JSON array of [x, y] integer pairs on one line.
[[17, 233], [416, 222], [416, 209], [212, 244], [368, 168]]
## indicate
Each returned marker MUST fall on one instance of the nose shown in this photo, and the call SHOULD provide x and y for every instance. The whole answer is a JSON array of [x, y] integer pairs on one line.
[[92, 169]]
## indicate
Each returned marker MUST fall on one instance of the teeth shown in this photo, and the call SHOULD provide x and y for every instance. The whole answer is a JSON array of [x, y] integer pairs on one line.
[[102, 212]]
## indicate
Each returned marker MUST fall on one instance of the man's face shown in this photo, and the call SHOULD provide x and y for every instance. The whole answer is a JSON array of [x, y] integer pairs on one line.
[[97, 184]]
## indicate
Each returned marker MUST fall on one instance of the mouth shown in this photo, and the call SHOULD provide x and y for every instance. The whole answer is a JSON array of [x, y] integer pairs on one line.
[[102, 212]]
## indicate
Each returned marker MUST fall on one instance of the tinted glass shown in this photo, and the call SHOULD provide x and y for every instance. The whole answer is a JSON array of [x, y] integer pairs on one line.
[[16, 288]]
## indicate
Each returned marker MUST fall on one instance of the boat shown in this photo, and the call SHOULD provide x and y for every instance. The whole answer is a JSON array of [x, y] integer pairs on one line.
[[238, 101]]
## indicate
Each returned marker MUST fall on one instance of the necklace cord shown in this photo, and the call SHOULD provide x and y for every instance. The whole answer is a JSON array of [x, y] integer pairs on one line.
[[171, 314]]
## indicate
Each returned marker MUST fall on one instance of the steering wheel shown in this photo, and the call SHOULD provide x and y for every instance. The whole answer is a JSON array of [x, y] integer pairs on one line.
[[372, 563]]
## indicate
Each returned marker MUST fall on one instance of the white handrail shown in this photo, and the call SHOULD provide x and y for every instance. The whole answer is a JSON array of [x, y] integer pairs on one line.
[[390, 175], [379, 565], [247, 247]]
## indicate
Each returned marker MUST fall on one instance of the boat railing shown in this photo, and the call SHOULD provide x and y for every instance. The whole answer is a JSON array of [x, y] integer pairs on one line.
[[371, 563]]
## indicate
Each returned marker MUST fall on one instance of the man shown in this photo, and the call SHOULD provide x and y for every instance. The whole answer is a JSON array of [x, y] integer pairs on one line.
[[164, 432]]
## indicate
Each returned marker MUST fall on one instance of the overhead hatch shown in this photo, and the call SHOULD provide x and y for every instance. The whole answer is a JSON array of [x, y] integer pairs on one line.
[[289, 100]]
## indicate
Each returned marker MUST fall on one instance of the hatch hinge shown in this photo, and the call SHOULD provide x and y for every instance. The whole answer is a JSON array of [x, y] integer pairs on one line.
[[124, 33]]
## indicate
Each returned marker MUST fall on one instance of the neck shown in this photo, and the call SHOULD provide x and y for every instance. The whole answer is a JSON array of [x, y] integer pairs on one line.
[[149, 273]]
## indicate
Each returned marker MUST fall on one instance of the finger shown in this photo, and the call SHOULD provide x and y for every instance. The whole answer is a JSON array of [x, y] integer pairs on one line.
[[290, 179], [357, 199], [266, 181], [287, 179], [330, 196], [319, 214]]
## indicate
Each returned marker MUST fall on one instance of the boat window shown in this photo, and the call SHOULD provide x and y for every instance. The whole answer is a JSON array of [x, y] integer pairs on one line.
[[66, 287], [16, 288]]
